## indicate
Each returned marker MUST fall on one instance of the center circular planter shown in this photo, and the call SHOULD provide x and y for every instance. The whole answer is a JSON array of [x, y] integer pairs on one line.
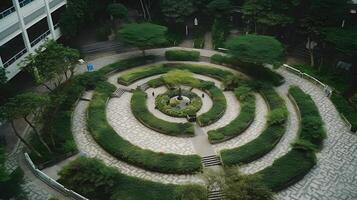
[[172, 104]]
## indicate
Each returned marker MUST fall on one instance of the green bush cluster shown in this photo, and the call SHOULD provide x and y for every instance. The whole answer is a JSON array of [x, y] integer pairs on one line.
[[346, 109], [162, 103], [120, 148], [218, 108], [354, 99], [182, 55], [141, 112], [241, 122], [266, 141], [57, 117], [294, 165], [220, 32], [94, 180], [199, 42], [137, 74], [254, 70]]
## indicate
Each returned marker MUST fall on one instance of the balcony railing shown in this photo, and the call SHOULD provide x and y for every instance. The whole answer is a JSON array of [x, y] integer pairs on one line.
[[10, 10], [39, 38], [14, 58]]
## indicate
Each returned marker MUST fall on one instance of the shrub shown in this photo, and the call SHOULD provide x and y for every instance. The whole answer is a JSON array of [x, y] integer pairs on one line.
[[220, 31], [182, 55], [241, 122], [277, 116], [141, 112], [93, 179], [254, 70], [199, 42], [120, 148], [354, 99], [346, 109], [266, 141]]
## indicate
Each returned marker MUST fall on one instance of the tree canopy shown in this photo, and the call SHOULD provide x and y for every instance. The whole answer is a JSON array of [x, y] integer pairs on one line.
[[344, 40], [256, 49], [117, 10], [176, 11], [144, 35], [219, 7], [3, 77]]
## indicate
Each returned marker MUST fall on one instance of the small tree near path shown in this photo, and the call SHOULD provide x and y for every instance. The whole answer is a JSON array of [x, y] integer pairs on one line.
[[257, 49], [22, 106], [143, 36]]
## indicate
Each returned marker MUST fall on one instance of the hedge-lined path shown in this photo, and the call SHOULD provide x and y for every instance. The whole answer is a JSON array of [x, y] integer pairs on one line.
[[208, 41], [334, 176], [232, 111], [87, 146], [252, 132], [121, 118], [284, 145]]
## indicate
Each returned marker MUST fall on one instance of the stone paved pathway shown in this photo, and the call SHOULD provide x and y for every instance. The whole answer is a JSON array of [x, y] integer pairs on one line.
[[123, 121], [254, 130], [206, 101], [334, 177], [87, 146], [284, 145], [208, 41]]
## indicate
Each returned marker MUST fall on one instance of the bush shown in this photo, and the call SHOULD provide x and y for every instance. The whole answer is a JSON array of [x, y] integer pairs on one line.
[[102, 33], [277, 116], [220, 32], [346, 109], [110, 141], [266, 141], [182, 55], [241, 122], [141, 112], [199, 42], [354, 99], [94, 180], [254, 70], [288, 169], [218, 108]]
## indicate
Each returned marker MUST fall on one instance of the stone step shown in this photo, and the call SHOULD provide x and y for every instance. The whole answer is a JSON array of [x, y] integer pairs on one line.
[[215, 195], [144, 86], [118, 93], [211, 161]]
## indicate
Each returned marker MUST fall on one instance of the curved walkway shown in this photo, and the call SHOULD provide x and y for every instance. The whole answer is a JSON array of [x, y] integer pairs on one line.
[[334, 176], [123, 121], [88, 147], [253, 131], [284, 145]]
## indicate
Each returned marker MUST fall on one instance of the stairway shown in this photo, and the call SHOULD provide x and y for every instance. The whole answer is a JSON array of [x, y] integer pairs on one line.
[[117, 93], [209, 161], [144, 86], [215, 195], [101, 47]]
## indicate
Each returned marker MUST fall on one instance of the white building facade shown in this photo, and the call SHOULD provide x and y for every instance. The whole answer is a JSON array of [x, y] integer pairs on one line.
[[24, 27]]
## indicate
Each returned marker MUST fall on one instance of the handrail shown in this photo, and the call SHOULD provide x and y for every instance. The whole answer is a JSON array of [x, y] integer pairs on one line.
[[39, 38], [15, 57], [12, 9]]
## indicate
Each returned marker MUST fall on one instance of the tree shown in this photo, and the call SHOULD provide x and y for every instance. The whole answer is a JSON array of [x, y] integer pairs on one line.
[[319, 14], [258, 49], [274, 13], [117, 10], [219, 7], [51, 61], [176, 11], [343, 39], [177, 77], [143, 36], [23, 106]]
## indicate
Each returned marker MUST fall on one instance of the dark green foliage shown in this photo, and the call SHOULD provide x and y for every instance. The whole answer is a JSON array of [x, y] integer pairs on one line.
[[277, 116], [102, 32], [258, 49], [346, 109], [288, 169], [354, 99], [219, 7], [141, 112], [117, 10], [199, 42], [176, 11], [256, 71], [3, 77], [241, 122], [312, 130], [218, 108], [220, 31], [182, 55], [105, 136], [93, 179], [266, 141]]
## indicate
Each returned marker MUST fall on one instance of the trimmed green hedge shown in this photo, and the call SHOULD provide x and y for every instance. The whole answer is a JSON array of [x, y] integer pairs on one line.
[[182, 55], [94, 180], [105, 136], [253, 70], [241, 122], [141, 112], [137, 74], [344, 107], [294, 165], [218, 108], [266, 141]]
